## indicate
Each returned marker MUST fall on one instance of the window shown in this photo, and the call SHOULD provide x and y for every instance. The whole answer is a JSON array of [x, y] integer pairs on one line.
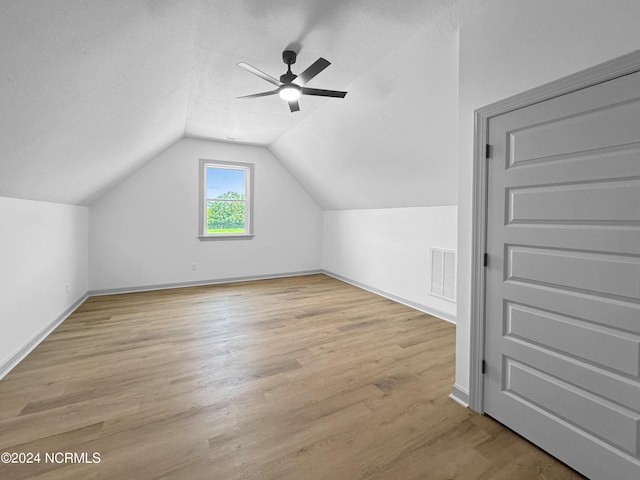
[[226, 206]]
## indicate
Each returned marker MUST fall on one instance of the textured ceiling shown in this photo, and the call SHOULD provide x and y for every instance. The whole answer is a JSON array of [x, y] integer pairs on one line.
[[91, 90]]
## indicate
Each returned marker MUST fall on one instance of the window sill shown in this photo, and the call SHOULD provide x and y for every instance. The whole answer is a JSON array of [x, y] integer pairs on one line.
[[243, 236]]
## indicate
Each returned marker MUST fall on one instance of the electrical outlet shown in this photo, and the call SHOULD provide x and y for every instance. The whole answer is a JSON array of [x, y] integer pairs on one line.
[[67, 288], [193, 266]]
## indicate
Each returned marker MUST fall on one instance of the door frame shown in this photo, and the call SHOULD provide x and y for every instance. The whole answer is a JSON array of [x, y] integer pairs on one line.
[[618, 67]]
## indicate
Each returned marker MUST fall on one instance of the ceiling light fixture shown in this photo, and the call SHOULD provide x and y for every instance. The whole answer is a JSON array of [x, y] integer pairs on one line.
[[289, 93]]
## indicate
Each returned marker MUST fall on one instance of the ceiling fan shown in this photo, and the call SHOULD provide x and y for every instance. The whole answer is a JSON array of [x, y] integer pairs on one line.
[[291, 86]]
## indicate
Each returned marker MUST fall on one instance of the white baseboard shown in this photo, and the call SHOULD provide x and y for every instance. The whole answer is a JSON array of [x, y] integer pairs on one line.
[[460, 395], [417, 306], [33, 342], [166, 286]]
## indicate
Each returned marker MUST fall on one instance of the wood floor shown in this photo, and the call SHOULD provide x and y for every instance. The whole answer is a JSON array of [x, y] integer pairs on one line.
[[300, 378]]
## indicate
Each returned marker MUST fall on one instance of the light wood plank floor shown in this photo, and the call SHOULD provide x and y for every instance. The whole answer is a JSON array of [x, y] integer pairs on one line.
[[299, 378]]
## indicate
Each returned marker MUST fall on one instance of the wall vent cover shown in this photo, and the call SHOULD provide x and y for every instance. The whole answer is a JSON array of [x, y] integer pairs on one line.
[[443, 274]]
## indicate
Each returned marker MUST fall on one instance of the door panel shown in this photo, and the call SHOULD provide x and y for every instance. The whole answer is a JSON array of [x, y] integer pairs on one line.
[[586, 376], [609, 127], [602, 201], [562, 340], [593, 272], [573, 405], [602, 346]]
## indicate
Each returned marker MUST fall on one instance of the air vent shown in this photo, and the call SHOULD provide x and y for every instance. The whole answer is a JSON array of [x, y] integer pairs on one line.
[[443, 274]]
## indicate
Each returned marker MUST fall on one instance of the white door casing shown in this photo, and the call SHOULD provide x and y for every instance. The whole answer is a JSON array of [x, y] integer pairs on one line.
[[561, 334]]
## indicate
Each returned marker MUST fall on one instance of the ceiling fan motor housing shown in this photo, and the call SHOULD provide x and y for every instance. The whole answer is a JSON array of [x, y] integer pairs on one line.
[[288, 77]]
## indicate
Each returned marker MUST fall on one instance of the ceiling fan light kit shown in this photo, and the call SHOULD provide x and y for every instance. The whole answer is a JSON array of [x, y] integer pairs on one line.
[[292, 86], [289, 92]]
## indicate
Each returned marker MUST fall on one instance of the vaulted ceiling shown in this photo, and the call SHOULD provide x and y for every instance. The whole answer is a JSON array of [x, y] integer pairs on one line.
[[91, 90]]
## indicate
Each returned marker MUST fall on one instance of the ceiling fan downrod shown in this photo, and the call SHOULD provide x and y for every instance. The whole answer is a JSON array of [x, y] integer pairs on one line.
[[288, 57]]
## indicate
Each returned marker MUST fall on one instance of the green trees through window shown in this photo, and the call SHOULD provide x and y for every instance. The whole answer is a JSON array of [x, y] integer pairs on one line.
[[226, 214]]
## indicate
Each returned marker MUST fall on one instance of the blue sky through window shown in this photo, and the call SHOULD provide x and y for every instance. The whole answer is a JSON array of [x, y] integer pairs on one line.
[[223, 180]]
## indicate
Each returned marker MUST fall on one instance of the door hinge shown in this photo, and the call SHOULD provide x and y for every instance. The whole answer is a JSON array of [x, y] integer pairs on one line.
[[484, 367], [485, 260], [487, 151]]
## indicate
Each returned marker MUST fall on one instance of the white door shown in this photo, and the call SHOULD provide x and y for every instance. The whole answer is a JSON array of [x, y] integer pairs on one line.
[[562, 338]]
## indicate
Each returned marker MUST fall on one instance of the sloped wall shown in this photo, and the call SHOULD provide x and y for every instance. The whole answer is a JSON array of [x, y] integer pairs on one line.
[[143, 232], [392, 142], [43, 273]]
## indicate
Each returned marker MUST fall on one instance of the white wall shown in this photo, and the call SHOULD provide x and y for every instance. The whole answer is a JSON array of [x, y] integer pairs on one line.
[[144, 231], [512, 46], [43, 248], [388, 250]]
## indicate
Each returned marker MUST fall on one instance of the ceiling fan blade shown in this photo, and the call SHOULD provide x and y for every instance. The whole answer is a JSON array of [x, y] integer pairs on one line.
[[262, 94], [315, 68], [322, 93], [260, 74], [294, 106]]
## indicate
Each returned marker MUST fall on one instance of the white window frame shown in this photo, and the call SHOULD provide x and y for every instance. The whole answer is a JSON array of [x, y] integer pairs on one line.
[[248, 168]]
